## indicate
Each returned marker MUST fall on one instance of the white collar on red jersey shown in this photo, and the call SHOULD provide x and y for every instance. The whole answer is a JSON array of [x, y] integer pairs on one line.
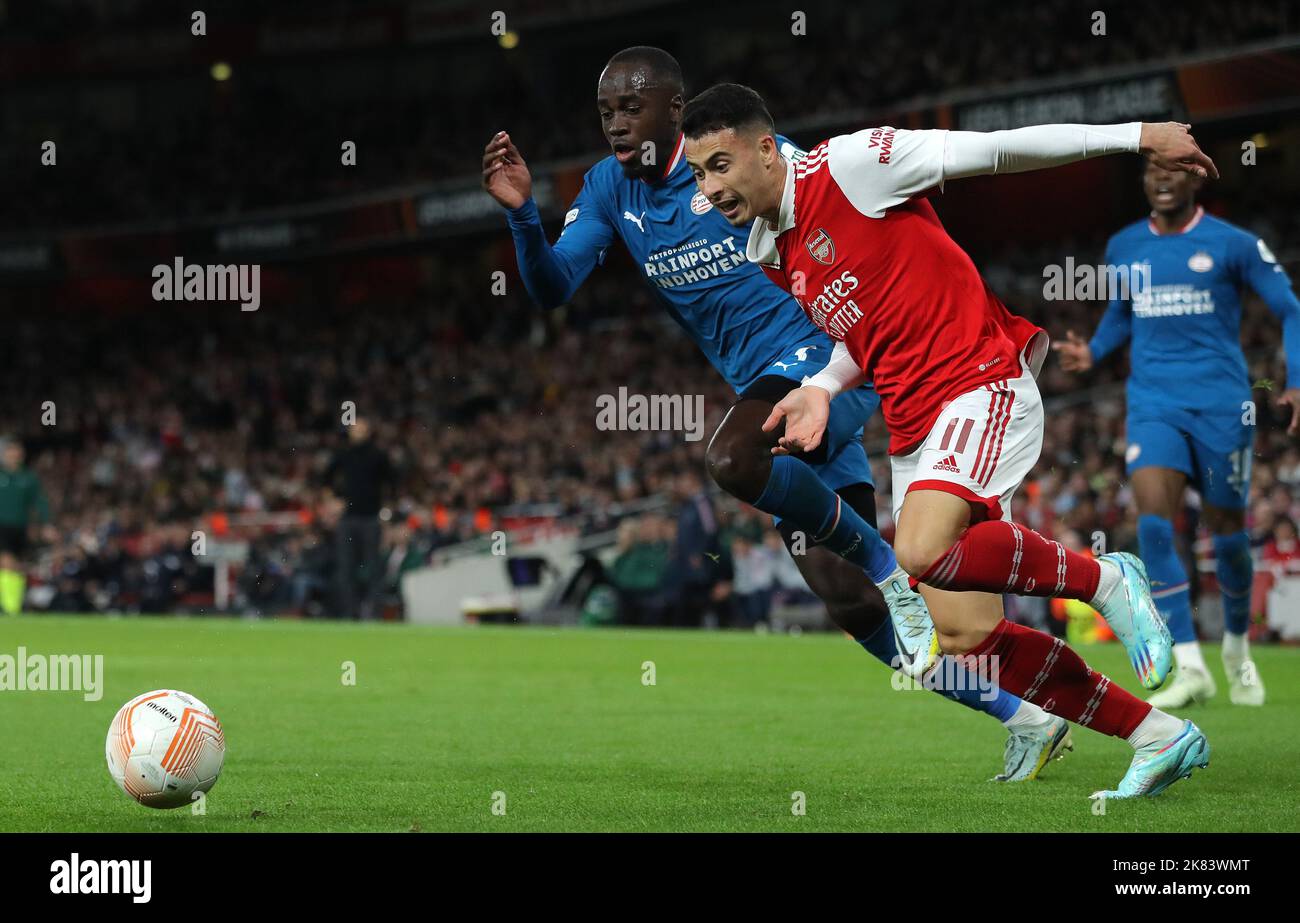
[[1196, 219], [761, 248]]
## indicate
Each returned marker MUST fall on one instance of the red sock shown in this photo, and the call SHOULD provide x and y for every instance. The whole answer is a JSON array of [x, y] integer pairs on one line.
[[1002, 557], [1043, 670]]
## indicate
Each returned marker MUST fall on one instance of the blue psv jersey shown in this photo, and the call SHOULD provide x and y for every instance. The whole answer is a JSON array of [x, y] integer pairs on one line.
[[692, 258], [1188, 382], [1186, 326]]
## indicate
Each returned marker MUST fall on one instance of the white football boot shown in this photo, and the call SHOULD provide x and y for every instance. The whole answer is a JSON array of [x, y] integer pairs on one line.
[[1190, 686]]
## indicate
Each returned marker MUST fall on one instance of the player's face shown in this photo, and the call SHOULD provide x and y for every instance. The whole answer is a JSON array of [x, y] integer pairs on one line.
[[732, 171], [1167, 191], [639, 118]]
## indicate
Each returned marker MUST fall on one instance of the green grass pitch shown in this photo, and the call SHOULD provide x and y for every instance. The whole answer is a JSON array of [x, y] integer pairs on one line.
[[561, 722]]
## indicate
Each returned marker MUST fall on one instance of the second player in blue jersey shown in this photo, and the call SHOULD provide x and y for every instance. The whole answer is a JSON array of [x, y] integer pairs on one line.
[[1191, 420]]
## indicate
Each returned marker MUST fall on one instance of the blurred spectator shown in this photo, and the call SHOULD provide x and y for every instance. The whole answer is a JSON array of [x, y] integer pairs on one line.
[[22, 505], [788, 586], [640, 571], [360, 472], [696, 554], [754, 566], [1279, 560]]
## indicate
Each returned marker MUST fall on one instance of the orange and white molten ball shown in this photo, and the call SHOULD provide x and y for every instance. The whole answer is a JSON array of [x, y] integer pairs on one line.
[[163, 747]]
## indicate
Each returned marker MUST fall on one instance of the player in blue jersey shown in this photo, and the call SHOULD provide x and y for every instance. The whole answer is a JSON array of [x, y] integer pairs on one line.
[[758, 339], [1190, 416]]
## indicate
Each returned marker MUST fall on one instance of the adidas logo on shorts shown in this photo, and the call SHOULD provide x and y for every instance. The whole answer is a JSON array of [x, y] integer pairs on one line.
[[948, 464]]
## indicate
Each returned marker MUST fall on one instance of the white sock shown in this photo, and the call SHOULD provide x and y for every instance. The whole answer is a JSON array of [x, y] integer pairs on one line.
[[1028, 715], [1111, 577], [1156, 729], [1236, 649], [1187, 654], [896, 573]]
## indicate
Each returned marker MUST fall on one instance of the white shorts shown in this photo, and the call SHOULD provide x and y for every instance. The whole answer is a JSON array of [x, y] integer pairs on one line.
[[980, 448]]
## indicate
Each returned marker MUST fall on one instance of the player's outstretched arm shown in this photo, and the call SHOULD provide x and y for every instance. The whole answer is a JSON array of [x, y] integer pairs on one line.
[[551, 273], [1017, 150], [879, 168]]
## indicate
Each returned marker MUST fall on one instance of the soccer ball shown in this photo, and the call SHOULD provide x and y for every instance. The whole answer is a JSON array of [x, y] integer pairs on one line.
[[163, 747]]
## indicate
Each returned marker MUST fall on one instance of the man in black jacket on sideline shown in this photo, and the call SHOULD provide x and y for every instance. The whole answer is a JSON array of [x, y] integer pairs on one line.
[[358, 472]]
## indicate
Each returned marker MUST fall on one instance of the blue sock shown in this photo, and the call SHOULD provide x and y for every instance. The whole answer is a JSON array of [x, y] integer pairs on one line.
[[1001, 706], [795, 493], [1168, 576], [1236, 572], [881, 645]]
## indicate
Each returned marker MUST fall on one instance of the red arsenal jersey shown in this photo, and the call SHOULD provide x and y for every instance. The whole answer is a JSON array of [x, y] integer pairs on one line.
[[864, 254]]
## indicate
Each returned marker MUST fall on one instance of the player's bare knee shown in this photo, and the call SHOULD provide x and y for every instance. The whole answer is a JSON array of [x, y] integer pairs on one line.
[[916, 553], [734, 470]]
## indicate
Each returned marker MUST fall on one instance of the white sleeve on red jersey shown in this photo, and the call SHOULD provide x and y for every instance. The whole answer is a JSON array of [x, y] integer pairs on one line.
[[842, 372], [977, 153], [878, 168]]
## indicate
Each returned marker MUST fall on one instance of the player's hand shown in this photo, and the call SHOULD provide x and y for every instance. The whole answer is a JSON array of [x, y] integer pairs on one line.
[[805, 411], [1076, 356], [505, 175], [1291, 398], [1170, 145]]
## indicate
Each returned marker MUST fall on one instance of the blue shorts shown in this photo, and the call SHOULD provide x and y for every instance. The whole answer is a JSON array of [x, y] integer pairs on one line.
[[1212, 448], [845, 460]]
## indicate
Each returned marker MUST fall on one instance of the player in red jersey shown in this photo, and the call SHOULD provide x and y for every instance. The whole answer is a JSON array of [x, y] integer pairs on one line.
[[848, 231]]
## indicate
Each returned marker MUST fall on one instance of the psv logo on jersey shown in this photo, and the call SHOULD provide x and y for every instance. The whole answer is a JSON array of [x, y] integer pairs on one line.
[[821, 247]]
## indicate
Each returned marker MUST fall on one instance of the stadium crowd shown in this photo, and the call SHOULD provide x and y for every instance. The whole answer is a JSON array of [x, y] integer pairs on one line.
[[171, 160]]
